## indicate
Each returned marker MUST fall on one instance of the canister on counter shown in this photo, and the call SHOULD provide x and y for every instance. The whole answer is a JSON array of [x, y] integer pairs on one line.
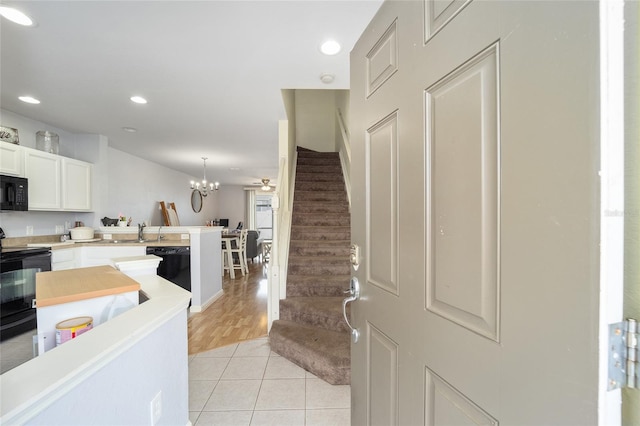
[[72, 328]]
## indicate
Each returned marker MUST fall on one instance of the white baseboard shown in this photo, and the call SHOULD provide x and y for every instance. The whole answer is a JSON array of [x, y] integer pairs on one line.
[[194, 309]]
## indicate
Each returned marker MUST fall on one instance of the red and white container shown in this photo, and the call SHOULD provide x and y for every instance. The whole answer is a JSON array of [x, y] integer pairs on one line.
[[72, 328]]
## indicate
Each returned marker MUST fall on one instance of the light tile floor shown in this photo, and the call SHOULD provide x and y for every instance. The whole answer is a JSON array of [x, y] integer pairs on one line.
[[248, 384]]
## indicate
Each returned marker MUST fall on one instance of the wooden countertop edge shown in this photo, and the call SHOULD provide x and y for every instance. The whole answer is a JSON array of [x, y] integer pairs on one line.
[[51, 301]]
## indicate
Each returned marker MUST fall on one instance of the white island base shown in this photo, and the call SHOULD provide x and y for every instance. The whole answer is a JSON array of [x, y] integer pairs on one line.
[[110, 374]]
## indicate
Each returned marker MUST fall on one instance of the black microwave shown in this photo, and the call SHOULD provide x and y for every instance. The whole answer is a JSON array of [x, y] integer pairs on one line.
[[14, 193]]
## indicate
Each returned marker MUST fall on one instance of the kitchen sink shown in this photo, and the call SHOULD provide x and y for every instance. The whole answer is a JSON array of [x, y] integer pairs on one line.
[[128, 241]]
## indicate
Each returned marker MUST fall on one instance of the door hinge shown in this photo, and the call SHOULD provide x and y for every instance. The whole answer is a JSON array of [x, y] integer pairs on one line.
[[623, 355]]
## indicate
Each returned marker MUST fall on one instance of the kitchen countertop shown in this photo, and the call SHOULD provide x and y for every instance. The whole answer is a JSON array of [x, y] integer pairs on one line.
[[57, 287], [172, 236], [59, 245]]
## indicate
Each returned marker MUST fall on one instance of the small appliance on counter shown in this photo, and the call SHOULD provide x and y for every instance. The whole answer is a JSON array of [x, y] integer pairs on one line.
[[81, 233]]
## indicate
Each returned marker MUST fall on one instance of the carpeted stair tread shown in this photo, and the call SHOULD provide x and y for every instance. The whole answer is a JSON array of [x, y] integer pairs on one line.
[[315, 185], [314, 207], [299, 285], [322, 169], [318, 250], [310, 236], [325, 353], [325, 312], [315, 161], [331, 196], [320, 176], [328, 219]]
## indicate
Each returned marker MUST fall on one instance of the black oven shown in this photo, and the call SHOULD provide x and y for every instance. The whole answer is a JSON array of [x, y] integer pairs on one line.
[[18, 269]]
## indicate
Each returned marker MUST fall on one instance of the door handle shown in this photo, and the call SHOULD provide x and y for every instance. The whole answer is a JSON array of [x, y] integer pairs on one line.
[[354, 294]]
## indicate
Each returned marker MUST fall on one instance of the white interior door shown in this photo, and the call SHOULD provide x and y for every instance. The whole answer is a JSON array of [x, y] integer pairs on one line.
[[475, 194]]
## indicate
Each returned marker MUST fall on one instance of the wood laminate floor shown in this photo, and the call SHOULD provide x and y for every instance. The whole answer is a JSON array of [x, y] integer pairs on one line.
[[239, 314]]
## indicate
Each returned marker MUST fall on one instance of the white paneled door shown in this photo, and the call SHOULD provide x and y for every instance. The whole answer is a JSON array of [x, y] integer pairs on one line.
[[475, 190]]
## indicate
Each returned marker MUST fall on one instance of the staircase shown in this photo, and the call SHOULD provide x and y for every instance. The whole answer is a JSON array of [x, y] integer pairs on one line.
[[311, 331]]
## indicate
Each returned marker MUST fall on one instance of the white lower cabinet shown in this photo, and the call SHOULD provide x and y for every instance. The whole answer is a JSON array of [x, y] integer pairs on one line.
[[82, 257], [102, 255], [63, 259]]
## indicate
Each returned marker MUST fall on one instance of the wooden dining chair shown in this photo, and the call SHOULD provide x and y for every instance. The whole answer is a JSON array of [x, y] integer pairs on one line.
[[240, 252]]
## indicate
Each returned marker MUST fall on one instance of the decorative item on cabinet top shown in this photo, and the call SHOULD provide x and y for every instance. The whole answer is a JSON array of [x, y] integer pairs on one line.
[[9, 134], [47, 141]]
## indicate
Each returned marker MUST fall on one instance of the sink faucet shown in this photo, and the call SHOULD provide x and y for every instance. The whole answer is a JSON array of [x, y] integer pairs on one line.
[[141, 231], [159, 235]]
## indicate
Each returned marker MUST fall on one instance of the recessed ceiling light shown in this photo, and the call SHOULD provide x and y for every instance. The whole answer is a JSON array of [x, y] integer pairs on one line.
[[130, 129], [330, 47], [234, 169], [138, 99], [14, 15], [29, 99]]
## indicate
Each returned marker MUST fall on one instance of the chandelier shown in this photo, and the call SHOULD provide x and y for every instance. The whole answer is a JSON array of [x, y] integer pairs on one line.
[[265, 185], [203, 187]]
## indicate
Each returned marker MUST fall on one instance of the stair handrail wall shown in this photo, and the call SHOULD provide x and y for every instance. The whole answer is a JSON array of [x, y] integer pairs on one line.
[[344, 150], [281, 206]]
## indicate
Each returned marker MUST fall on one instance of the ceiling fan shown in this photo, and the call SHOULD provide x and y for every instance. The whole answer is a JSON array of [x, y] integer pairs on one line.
[[265, 184]]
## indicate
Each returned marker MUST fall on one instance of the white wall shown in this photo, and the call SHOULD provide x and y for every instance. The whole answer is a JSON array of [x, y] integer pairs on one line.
[[315, 119], [136, 186], [231, 204]]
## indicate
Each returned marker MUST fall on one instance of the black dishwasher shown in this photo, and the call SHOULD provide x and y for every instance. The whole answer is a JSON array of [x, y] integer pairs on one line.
[[175, 265]]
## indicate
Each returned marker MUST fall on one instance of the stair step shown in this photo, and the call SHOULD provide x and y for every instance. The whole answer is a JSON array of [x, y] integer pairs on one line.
[[321, 169], [318, 161], [296, 248], [337, 233], [325, 353], [321, 176], [314, 185], [305, 152], [325, 312], [319, 196], [325, 219], [313, 207], [313, 285], [318, 266]]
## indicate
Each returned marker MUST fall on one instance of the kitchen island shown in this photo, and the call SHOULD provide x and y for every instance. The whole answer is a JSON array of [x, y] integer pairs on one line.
[[112, 372]]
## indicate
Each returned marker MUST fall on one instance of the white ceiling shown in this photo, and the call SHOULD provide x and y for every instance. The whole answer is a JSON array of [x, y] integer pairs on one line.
[[212, 72]]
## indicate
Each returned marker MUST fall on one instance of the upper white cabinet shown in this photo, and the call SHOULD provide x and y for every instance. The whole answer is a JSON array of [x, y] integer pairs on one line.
[[43, 171], [76, 185], [57, 183], [11, 159]]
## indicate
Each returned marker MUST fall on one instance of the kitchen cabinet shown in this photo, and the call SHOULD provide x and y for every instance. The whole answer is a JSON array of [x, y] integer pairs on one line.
[[43, 171], [76, 185], [63, 259], [103, 255], [56, 182], [11, 159]]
